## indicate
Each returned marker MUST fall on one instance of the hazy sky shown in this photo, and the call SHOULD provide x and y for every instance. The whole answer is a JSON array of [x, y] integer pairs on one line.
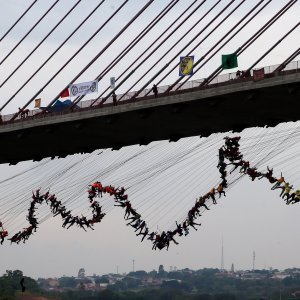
[[251, 217]]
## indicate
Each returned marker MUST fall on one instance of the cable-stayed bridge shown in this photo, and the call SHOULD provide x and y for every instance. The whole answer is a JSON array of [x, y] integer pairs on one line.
[[186, 107], [235, 104]]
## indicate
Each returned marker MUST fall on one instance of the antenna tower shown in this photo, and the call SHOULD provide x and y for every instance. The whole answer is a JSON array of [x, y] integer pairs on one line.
[[222, 258]]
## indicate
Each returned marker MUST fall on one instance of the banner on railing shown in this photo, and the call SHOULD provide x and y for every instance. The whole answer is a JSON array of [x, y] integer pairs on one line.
[[80, 89], [37, 103], [186, 65], [65, 93], [258, 74]]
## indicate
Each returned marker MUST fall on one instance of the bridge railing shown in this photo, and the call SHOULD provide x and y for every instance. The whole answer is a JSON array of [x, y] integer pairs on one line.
[[223, 79]]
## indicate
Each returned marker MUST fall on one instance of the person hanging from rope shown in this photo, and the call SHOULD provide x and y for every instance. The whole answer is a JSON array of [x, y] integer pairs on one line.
[[212, 193], [3, 233], [16, 238], [52, 199], [36, 195], [156, 241], [221, 156], [151, 236], [191, 222], [110, 190], [91, 194], [97, 214], [245, 166], [233, 154], [44, 197], [170, 237], [120, 195], [269, 176], [128, 210], [185, 228], [33, 221], [252, 172], [62, 211], [135, 223], [120, 204], [81, 222], [179, 229], [232, 142], [294, 198], [27, 232], [221, 190], [56, 206], [67, 221], [194, 212], [141, 227], [72, 221], [201, 203], [135, 217], [163, 241], [144, 234], [278, 183], [224, 183], [286, 189], [222, 170], [236, 165]]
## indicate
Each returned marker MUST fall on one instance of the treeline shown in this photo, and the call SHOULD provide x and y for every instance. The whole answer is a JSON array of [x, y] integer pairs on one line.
[[149, 294], [205, 284], [10, 286]]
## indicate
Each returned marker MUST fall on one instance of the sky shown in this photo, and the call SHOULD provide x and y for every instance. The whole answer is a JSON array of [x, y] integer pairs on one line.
[[251, 217]]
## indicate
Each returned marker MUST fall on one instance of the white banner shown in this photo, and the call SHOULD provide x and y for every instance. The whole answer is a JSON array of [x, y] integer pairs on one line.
[[83, 88], [112, 82]]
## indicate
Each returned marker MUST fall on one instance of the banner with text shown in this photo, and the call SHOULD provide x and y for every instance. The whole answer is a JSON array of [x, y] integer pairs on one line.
[[80, 89]]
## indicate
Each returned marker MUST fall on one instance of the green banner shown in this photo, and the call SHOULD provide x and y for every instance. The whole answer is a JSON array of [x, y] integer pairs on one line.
[[229, 61]]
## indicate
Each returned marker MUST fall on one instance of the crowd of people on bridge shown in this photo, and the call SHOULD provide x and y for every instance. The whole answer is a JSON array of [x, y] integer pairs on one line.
[[229, 155]]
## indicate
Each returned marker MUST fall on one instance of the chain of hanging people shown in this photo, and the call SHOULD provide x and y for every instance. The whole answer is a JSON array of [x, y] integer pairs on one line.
[[229, 155]]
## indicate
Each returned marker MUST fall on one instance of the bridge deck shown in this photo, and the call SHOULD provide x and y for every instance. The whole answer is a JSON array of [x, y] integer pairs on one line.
[[233, 106]]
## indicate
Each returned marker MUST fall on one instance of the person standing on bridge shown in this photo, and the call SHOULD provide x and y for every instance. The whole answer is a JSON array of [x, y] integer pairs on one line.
[[114, 97], [1, 120], [155, 90]]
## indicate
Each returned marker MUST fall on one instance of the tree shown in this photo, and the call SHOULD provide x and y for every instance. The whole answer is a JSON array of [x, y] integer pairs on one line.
[[139, 274], [161, 271], [81, 273], [67, 282], [10, 283]]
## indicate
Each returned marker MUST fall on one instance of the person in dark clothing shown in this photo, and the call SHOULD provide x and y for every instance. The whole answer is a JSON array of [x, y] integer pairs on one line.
[[114, 97], [201, 202], [22, 285], [155, 90], [3, 234]]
